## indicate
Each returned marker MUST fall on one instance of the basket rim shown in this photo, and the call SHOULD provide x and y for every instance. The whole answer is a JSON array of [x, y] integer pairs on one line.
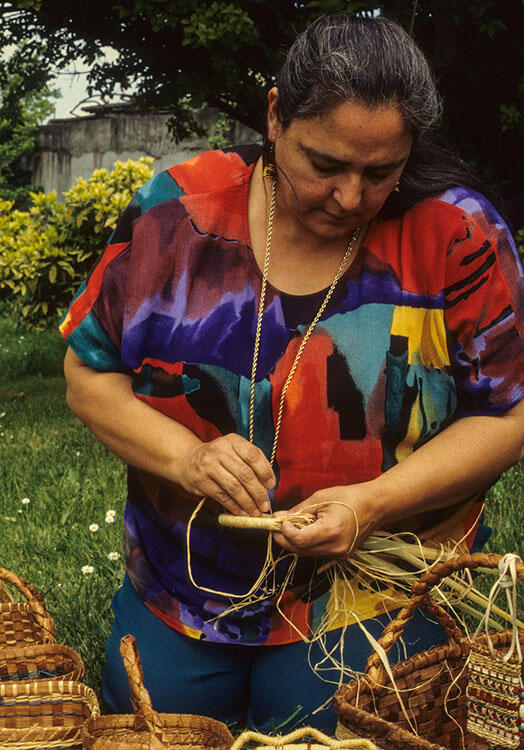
[[21, 692], [194, 722], [18, 650]]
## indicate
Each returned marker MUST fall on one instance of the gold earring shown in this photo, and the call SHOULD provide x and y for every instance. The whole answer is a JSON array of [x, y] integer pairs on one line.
[[396, 188]]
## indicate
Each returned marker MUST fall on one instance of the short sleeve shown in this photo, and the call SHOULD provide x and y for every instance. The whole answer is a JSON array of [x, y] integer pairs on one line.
[[93, 324], [484, 305]]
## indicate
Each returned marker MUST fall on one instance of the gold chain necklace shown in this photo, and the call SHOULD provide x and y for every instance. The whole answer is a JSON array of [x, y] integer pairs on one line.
[[269, 171]]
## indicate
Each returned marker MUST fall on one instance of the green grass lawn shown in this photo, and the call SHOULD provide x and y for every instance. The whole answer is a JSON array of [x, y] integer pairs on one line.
[[50, 459]]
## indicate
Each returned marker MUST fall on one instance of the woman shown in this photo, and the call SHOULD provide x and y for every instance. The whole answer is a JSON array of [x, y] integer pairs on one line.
[[404, 403]]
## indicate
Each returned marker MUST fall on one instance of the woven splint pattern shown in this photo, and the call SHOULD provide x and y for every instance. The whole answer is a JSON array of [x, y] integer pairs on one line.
[[23, 622], [432, 685], [494, 696], [40, 661], [44, 714]]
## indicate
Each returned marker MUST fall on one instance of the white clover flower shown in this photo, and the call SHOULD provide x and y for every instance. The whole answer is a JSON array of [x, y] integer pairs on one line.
[[110, 516], [78, 453], [94, 527], [2, 414], [20, 510], [113, 556], [87, 570], [25, 501]]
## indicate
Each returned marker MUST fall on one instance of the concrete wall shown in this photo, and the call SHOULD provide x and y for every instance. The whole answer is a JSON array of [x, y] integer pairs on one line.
[[75, 147]]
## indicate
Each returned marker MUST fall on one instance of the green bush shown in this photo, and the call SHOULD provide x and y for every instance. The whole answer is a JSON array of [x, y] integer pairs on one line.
[[47, 251]]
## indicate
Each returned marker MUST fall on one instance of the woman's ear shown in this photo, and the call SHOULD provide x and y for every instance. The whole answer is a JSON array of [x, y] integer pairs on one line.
[[273, 125]]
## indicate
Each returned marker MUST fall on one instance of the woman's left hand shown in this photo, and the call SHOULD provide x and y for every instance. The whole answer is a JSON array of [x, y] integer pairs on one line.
[[342, 521]]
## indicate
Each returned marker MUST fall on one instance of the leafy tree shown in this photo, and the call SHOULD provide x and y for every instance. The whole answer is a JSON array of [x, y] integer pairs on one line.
[[24, 104], [181, 54]]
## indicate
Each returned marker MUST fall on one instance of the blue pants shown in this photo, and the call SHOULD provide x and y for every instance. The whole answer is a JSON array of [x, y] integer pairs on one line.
[[265, 688]]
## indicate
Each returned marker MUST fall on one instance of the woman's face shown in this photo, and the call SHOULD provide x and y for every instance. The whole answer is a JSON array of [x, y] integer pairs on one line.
[[341, 166]]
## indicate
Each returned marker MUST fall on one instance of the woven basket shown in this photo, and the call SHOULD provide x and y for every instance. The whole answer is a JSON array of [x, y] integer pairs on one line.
[[40, 661], [321, 741], [44, 714], [147, 729], [436, 704], [24, 622]]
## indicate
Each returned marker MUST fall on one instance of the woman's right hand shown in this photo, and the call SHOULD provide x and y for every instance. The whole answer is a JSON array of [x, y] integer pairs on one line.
[[230, 470]]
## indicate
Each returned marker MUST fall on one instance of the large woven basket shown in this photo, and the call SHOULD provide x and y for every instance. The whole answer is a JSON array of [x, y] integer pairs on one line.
[[44, 714], [147, 729], [40, 661], [23, 622], [432, 684]]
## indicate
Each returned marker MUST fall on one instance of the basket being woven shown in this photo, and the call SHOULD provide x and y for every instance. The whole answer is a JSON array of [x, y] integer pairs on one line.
[[44, 714], [147, 729], [432, 684], [26, 621]]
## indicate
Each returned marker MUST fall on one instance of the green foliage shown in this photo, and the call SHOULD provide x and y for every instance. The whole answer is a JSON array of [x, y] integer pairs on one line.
[[180, 54], [207, 26], [25, 97], [224, 129], [46, 252]]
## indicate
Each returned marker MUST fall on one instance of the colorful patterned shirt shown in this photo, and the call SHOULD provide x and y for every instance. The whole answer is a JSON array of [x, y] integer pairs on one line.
[[424, 328]]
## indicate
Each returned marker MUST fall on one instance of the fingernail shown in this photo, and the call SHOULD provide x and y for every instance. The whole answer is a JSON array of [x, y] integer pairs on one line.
[[266, 507]]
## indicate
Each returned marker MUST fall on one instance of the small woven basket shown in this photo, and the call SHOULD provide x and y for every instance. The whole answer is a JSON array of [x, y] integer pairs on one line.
[[40, 661], [432, 684], [23, 622], [147, 729], [44, 714]]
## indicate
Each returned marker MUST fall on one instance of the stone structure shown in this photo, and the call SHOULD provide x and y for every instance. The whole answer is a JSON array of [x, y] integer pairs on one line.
[[75, 147]]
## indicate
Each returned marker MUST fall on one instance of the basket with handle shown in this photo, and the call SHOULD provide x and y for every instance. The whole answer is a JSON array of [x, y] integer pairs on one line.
[[23, 622], [305, 738], [44, 714], [40, 661], [148, 729], [430, 688]]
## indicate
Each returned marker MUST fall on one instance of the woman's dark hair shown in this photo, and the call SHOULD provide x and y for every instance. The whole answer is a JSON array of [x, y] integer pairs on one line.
[[375, 62]]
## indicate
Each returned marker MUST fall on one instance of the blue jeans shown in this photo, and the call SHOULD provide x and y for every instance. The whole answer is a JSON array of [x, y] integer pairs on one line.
[[265, 688]]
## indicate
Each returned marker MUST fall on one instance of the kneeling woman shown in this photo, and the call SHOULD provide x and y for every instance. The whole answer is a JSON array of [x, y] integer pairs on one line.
[[326, 324]]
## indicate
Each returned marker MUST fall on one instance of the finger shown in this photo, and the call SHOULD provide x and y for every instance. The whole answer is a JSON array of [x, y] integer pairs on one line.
[[256, 460], [230, 480], [250, 482], [315, 540], [213, 491]]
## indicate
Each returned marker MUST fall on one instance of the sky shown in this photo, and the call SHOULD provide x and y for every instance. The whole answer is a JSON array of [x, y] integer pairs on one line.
[[72, 84], [73, 89]]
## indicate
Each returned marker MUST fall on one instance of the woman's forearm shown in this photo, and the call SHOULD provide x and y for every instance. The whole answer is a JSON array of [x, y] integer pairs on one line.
[[130, 428], [461, 460]]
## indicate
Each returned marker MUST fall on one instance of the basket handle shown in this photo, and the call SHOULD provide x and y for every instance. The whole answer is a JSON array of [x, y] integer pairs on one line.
[[146, 718], [35, 601], [279, 741], [420, 597]]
